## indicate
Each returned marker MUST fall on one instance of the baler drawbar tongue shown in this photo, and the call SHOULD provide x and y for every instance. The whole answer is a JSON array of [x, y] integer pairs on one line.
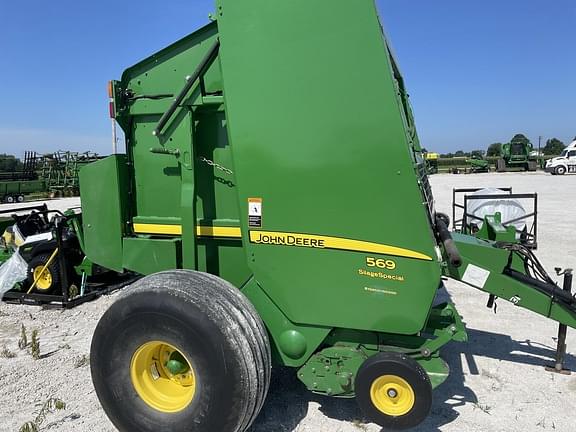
[[511, 271]]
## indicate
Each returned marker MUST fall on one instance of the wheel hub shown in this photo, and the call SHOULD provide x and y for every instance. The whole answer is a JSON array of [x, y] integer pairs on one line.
[[177, 364], [43, 278], [392, 395], [163, 377]]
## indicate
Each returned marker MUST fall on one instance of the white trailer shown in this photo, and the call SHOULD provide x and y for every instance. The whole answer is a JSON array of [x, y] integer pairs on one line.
[[565, 163]]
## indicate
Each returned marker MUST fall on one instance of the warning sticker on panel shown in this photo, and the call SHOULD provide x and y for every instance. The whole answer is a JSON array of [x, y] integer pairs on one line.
[[475, 276], [255, 212]]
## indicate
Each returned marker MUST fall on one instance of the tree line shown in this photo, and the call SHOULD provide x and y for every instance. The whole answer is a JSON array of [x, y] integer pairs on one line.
[[553, 147], [10, 163]]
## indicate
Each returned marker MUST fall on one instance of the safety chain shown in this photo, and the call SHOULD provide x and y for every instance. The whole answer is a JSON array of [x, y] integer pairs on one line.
[[215, 165]]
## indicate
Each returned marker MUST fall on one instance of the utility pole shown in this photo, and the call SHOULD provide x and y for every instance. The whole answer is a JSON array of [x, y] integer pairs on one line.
[[539, 145], [114, 138]]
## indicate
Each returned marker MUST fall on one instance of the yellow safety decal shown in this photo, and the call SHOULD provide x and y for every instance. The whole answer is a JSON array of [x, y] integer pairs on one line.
[[201, 231], [325, 242]]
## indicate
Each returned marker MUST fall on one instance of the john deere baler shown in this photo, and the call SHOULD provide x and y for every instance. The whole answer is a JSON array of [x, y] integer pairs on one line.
[[274, 190]]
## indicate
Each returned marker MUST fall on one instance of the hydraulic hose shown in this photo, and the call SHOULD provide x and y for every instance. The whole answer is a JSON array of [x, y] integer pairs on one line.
[[449, 246]]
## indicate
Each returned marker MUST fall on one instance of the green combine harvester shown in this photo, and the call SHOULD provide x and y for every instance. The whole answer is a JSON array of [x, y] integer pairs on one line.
[[517, 155], [274, 195]]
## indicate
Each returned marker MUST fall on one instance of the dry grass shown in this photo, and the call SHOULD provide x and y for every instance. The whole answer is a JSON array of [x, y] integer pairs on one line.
[[6, 353], [50, 406], [81, 361], [23, 341], [359, 425], [35, 345], [483, 407]]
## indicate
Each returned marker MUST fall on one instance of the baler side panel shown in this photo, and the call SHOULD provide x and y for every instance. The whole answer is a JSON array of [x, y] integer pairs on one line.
[[305, 110], [153, 84], [180, 199], [163, 74], [104, 191], [217, 198], [158, 177]]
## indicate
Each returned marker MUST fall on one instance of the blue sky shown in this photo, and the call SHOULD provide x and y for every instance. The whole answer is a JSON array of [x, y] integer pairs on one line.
[[477, 72]]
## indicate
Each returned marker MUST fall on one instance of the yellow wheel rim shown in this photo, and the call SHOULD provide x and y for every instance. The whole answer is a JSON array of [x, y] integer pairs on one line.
[[392, 395], [163, 377], [43, 278]]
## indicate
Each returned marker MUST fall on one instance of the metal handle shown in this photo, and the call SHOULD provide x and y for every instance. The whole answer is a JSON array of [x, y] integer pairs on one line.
[[204, 64], [163, 150]]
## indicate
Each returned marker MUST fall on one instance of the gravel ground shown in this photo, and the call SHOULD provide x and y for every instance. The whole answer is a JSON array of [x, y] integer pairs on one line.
[[497, 381]]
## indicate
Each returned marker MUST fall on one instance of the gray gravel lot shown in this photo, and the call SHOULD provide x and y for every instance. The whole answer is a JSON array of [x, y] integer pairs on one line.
[[497, 381]]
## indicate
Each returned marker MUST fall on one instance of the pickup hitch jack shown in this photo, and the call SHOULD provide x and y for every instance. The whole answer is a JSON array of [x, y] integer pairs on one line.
[[558, 366]]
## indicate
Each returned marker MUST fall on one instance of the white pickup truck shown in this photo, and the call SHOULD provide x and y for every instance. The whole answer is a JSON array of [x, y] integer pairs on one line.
[[565, 163]]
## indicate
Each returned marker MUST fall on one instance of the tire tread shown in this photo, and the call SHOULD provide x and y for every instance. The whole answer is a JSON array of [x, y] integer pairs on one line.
[[237, 320]]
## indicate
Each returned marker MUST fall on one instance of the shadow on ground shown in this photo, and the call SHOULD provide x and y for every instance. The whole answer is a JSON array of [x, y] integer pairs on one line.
[[503, 347], [288, 400]]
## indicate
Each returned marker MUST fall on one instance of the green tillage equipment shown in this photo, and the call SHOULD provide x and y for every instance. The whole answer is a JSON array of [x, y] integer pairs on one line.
[[60, 171], [478, 165], [272, 155]]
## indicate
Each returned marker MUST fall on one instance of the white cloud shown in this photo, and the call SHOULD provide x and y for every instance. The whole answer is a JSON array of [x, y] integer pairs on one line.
[[17, 141]]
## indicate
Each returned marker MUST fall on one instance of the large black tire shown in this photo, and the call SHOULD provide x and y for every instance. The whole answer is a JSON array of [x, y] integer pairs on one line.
[[560, 170], [215, 329], [9, 199], [393, 372], [20, 198], [49, 280]]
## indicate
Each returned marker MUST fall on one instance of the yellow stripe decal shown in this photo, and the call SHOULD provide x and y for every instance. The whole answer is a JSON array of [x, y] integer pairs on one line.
[[202, 231], [286, 239], [210, 231], [324, 242], [157, 229]]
